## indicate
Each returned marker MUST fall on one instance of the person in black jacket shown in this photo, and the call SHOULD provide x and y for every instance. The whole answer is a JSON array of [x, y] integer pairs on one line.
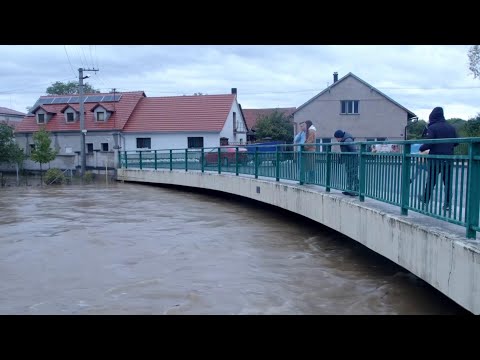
[[350, 161], [438, 128]]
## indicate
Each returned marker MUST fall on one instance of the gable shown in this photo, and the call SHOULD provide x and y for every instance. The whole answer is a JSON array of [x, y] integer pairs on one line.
[[353, 87]]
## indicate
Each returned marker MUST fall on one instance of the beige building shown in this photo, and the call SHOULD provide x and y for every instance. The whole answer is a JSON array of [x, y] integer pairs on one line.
[[353, 105]]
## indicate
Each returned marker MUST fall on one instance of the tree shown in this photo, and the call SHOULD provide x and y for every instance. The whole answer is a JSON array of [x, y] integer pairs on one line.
[[415, 130], [8, 147], [70, 88], [42, 152], [474, 59], [276, 126], [10, 152]]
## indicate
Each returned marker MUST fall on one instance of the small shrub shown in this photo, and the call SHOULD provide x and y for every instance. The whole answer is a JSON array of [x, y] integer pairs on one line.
[[54, 176], [88, 177]]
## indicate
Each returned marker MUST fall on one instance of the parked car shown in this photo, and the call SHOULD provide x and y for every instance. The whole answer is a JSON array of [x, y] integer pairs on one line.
[[227, 156]]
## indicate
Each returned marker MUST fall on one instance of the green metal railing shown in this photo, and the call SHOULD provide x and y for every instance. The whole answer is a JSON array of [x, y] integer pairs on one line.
[[397, 178]]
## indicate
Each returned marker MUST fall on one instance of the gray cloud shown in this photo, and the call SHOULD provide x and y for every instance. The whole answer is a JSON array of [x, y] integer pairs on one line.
[[418, 77]]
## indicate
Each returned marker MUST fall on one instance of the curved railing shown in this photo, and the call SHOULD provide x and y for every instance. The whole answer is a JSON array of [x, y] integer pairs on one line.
[[398, 178]]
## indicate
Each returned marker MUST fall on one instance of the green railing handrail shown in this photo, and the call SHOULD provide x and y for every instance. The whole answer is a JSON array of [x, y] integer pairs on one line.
[[398, 178]]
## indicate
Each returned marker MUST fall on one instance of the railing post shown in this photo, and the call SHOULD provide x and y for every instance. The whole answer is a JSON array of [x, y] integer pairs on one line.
[[256, 162], [405, 190], [236, 161], [277, 164], [301, 167], [140, 159], [155, 159], [171, 160], [362, 172], [473, 190], [202, 157], [328, 175], [186, 159], [219, 161], [126, 162]]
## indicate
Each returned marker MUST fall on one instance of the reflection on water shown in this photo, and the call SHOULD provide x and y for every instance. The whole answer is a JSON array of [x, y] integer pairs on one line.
[[140, 249]]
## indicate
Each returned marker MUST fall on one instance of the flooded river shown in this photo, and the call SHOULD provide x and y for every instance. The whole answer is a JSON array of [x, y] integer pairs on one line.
[[141, 249]]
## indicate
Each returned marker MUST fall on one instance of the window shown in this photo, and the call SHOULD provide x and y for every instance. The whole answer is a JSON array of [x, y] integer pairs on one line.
[[100, 116], [104, 146], [32, 147], [41, 118], [234, 121], [144, 143], [349, 106], [89, 148], [70, 117], [195, 142]]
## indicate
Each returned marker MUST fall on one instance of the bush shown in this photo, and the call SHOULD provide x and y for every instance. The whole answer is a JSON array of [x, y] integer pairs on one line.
[[88, 177], [54, 176]]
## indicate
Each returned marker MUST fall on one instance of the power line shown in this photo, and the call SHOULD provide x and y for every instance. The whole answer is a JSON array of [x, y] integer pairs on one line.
[[91, 57], [68, 57]]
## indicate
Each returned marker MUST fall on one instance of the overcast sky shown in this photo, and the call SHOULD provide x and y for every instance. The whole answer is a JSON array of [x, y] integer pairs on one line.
[[418, 77]]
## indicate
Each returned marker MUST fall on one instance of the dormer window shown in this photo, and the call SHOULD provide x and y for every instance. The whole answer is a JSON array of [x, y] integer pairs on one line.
[[41, 118], [101, 112], [70, 117]]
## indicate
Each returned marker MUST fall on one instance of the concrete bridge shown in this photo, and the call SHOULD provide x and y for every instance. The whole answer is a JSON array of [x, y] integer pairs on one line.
[[433, 247]]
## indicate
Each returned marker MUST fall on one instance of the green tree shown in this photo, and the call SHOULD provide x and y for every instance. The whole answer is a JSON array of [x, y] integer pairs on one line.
[[42, 152], [8, 148], [69, 88], [276, 126], [415, 130], [474, 60], [10, 152]]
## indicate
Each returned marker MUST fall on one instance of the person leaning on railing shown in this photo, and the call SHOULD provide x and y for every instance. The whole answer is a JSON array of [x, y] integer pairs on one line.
[[439, 128], [350, 160], [309, 148]]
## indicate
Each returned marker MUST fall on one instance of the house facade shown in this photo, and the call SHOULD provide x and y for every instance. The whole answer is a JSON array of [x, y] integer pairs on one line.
[[129, 121], [10, 116], [353, 105], [180, 122]]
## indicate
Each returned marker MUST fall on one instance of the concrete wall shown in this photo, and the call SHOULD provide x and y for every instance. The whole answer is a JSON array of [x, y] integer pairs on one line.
[[68, 145], [378, 116], [447, 262]]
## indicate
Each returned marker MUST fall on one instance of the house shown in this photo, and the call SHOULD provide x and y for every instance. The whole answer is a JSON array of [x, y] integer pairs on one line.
[[105, 116], [353, 105], [130, 121], [253, 115], [179, 122], [11, 117]]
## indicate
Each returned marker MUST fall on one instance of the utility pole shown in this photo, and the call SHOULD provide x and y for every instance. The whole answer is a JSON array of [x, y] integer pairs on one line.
[[83, 131]]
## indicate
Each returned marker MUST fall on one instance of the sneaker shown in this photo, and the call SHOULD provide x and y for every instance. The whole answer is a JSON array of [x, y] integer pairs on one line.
[[446, 207]]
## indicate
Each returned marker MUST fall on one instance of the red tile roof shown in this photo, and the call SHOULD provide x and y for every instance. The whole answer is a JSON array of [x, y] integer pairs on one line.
[[181, 113], [7, 111], [252, 115], [123, 110]]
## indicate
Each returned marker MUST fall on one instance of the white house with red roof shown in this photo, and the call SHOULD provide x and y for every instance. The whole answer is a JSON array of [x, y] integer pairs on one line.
[[130, 121], [185, 122]]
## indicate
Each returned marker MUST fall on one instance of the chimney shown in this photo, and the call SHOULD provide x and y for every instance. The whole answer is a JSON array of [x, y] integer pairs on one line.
[[335, 77], [234, 91]]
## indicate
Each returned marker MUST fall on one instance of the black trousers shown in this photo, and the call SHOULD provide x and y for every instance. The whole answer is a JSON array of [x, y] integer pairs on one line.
[[351, 168], [435, 167]]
